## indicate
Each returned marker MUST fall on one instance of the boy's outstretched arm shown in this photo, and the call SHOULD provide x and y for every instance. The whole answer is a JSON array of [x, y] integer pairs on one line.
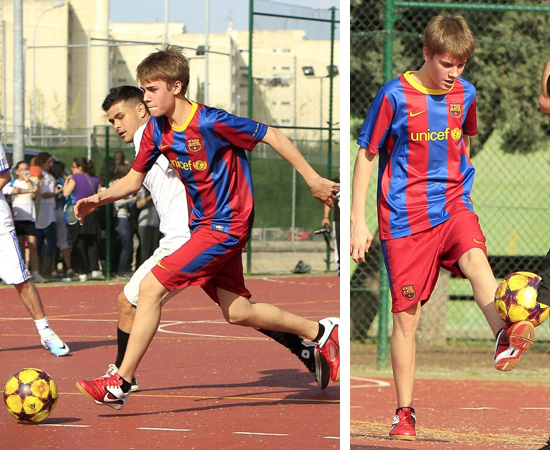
[[129, 184], [360, 235], [322, 189]]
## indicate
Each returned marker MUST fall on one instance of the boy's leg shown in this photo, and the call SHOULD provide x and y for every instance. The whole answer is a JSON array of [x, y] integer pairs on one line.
[[476, 268], [403, 353], [511, 341], [146, 322], [48, 338], [114, 391], [306, 352], [238, 310]]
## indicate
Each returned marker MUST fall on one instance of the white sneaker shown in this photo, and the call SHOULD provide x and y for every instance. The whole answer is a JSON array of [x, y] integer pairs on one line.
[[54, 344], [39, 279], [82, 277], [97, 275]]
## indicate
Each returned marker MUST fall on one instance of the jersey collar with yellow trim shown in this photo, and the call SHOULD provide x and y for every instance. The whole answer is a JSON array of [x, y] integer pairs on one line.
[[421, 88], [194, 107]]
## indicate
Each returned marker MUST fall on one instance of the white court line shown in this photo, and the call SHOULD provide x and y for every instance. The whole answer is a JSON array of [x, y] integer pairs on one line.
[[480, 408], [371, 383], [183, 333], [250, 433], [165, 429], [535, 408]]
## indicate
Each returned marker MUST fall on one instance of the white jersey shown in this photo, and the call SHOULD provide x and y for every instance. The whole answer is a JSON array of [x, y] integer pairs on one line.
[[6, 219], [22, 205], [170, 200], [46, 212]]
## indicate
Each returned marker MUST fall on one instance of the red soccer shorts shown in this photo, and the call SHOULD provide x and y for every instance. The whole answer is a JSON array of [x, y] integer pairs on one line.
[[413, 262], [210, 259]]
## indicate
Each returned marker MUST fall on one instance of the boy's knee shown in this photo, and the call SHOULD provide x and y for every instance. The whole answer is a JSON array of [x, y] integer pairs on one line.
[[123, 304], [236, 316]]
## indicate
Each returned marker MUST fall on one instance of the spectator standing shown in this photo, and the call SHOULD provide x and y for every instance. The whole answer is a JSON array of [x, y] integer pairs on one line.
[[46, 226], [23, 192], [123, 230], [63, 240], [81, 184]]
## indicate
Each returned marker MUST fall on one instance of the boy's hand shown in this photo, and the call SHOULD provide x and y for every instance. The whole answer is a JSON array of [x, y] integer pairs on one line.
[[326, 191], [85, 206], [360, 241]]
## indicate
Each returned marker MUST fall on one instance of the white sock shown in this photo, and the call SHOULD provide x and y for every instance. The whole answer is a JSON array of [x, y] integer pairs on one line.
[[42, 326]]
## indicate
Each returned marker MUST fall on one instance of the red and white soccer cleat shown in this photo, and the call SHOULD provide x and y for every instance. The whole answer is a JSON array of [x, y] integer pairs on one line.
[[403, 424], [329, 346], [511, 342], [106, 390]]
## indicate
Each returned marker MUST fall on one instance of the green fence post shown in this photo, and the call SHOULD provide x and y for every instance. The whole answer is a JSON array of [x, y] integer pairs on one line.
[[331, 93]]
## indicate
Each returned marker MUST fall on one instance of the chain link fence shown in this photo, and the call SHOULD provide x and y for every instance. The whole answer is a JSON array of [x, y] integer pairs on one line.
[[510, 154]]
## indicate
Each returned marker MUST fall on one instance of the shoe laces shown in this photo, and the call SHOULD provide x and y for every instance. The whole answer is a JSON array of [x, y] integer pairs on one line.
[[406, 416], [104, 381], [306, 355], [112, 370]]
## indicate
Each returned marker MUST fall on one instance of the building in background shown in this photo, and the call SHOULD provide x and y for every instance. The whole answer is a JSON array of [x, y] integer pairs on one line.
[[73, 56]]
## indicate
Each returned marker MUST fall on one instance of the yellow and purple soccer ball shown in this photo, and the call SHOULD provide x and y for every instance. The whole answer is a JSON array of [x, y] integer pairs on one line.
[[30, 395], [516, 299]]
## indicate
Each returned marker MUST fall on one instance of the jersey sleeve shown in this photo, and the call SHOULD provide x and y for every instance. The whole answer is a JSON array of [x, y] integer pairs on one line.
[[470, 122], [147, 150], [377, 123], [3, 160], [238, 131]]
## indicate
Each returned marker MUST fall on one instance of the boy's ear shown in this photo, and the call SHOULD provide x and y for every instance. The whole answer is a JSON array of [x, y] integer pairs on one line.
[[141, 109], [178, 88], [426, 54]]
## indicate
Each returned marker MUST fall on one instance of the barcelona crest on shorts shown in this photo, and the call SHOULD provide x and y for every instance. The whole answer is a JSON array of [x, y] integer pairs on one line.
[[408, 292], [455, 109], [194, 145]]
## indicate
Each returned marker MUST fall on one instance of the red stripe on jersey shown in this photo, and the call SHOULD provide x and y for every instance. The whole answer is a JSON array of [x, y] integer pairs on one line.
[[455, 188], [417, 160], [382, 122], [203, 182]]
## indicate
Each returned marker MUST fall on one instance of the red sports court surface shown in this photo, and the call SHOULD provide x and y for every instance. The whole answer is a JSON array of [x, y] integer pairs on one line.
[[453, 414], [204, 384]]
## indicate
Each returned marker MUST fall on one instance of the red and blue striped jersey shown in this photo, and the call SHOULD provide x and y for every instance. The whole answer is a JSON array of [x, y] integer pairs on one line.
[[208, 153], [424, 168]]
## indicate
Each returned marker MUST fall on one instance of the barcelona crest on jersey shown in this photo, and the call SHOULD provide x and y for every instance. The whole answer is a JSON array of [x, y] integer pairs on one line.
[[194, 145], [455, 109]]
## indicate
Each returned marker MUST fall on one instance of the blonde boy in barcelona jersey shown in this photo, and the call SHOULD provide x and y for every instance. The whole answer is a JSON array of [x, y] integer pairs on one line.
[[420, 125]]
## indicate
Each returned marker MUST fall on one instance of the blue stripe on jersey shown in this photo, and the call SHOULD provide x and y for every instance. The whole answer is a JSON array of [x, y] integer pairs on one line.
[[437, 160], [22, 265], [399, 222]]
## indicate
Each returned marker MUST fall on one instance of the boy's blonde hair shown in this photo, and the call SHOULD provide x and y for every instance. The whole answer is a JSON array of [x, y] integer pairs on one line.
[[449, 35], [168, 64]]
